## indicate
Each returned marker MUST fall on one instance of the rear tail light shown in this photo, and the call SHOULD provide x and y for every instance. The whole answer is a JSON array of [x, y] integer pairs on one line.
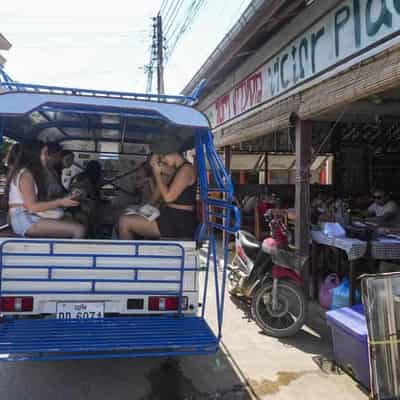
[[16, 304], [167, 303]]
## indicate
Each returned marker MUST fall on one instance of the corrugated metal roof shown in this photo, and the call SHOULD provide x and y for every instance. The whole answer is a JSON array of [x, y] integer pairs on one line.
[[256, 162]]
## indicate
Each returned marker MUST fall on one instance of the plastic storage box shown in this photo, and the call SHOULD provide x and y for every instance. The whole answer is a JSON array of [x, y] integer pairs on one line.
[[350, 341]]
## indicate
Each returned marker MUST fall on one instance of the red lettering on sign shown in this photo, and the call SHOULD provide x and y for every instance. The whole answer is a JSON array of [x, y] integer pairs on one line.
[[245, 95], [223, 109]]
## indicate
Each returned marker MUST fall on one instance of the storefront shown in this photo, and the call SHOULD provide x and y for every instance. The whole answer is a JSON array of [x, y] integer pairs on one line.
[[333, 63], [326, 83]]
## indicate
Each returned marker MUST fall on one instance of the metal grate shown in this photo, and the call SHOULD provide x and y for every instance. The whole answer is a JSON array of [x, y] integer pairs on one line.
[[119, 337]]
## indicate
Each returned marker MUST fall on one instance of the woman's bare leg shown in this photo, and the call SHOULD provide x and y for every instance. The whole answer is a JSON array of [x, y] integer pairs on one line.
[[131, 225], [56, 228]]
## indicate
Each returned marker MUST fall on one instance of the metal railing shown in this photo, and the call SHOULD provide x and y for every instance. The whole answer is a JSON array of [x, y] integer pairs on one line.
[[38, 261], [46, 89]]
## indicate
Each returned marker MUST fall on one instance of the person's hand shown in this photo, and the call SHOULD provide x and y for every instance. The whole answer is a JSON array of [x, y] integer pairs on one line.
[[155, 165], [67, 202]]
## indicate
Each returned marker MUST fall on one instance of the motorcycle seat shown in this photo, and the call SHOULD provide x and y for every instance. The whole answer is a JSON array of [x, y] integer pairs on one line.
[[248, 241]]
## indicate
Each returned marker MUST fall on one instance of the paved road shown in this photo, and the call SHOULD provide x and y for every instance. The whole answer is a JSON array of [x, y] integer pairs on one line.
[[250, 365]]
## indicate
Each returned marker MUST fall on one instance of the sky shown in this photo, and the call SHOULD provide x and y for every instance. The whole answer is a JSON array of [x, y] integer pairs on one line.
[[98, 44]]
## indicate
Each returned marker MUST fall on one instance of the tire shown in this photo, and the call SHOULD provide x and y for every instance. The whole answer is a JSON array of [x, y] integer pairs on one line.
[[283, 323]]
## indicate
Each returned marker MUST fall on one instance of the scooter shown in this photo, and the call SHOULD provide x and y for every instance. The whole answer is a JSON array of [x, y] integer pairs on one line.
[[267, 274]]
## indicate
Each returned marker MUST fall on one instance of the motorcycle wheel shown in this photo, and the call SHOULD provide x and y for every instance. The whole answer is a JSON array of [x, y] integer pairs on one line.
[[232, 283], [290, 314], [233, 280]]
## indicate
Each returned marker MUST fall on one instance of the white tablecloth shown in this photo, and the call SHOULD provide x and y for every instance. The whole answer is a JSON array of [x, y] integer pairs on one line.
[[354, 248], [385, 249]]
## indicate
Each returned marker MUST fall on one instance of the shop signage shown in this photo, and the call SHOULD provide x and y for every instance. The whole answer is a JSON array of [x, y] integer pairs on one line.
[[350, 28]]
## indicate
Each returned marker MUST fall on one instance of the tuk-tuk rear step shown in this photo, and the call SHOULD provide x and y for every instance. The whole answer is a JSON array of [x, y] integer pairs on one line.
[[118, 337]]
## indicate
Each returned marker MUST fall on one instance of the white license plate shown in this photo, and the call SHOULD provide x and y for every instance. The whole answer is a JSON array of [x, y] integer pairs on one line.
[[80, 310]]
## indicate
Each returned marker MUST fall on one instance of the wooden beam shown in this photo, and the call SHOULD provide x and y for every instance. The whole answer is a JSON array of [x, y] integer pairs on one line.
[[266, 171], [303, 159], [227, 158], [242, 177]]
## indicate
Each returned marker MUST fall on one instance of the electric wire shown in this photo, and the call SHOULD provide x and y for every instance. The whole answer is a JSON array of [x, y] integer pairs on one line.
[[192, 12], [169, 23]]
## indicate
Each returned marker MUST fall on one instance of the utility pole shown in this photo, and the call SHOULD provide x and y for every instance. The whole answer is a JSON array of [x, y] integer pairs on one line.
[[160, 56], [149, 68]]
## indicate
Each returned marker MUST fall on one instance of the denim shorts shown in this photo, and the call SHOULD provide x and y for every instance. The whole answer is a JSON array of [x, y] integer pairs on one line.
[[22, 220]]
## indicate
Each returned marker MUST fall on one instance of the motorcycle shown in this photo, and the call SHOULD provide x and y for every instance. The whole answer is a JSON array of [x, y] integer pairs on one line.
[[268, 275]]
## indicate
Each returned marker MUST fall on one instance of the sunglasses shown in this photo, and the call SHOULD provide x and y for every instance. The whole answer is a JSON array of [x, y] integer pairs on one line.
[[378, 197]]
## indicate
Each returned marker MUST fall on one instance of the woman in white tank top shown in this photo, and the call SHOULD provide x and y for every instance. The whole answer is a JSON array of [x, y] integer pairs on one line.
[[26, 194]]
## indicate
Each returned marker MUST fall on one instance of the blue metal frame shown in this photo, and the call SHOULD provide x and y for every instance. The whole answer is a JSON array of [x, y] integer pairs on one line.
[[4, 77], [177, 334], [29, 87], [125, 337], [135, 270], [214, 210]]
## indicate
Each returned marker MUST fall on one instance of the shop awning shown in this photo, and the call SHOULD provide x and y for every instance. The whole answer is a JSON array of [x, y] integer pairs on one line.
[[256, 162]]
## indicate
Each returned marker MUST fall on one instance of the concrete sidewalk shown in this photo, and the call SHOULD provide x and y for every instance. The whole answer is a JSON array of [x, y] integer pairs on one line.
[[248, 366], [272, 368]]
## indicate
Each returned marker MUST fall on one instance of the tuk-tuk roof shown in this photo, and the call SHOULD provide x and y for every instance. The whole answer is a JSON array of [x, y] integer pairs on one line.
[[56, 114]]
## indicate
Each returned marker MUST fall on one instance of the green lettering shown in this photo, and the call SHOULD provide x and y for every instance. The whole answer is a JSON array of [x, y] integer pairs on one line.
[[294, 53], [385, 18], [314, 40], [276, 73], [396, 4], [357, 22], [271, 81], [303, 48], [284, 82], [341, 18]]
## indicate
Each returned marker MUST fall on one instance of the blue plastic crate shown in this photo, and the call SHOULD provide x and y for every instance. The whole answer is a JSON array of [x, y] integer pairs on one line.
[[350, 341]]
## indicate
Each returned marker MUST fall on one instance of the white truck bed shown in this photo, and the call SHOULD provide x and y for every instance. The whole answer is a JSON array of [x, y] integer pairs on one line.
[[109, 271]]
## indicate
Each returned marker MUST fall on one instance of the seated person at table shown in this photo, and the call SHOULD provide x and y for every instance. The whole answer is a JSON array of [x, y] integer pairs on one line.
[[177, 215], [383, 211], [26, 197]]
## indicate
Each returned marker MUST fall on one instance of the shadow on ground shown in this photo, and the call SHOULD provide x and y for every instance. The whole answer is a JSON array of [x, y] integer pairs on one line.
[[314, 338], [182, 378]]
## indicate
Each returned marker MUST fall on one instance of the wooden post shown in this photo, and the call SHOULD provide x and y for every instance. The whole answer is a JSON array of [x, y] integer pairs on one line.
[[227, 162], [303, 159], [266, 172], [227, 158]]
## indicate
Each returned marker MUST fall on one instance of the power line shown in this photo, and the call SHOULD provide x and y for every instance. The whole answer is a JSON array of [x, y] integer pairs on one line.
[[166, 15], [191, 14], [175, 21], [163, 4], [169, 23]]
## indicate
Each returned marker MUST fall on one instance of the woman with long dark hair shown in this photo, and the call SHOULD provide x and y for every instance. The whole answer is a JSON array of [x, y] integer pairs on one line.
[[27, 194], [178, 214]]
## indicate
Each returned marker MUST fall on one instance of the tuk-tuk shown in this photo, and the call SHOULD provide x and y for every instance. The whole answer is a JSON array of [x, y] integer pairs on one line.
[[102, 297]]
